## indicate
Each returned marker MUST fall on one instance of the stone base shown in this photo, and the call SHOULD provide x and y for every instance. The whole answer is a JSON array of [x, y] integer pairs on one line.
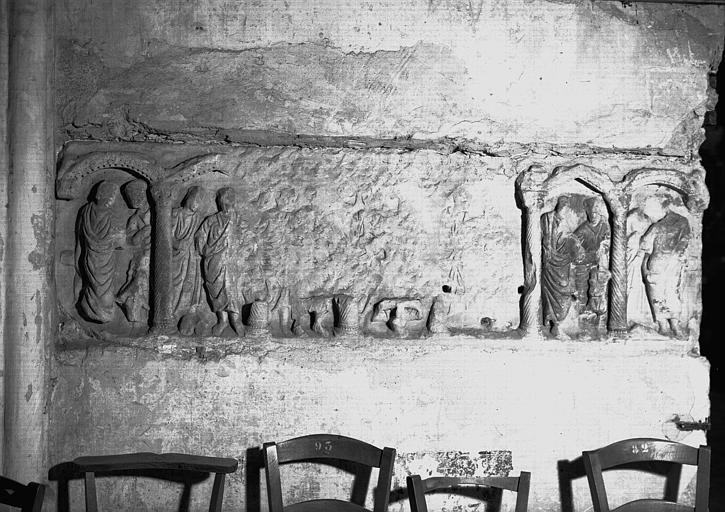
[[544, 402]]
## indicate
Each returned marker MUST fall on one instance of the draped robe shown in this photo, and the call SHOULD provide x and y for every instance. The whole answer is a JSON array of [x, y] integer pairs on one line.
[[214, 241], [186, 267], [96, 262], [559, 251]]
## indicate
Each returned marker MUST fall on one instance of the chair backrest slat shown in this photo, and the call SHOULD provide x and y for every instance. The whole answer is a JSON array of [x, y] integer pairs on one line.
[[642, 450], [327, 447], [154, 465], [321, 446], [417, 488]]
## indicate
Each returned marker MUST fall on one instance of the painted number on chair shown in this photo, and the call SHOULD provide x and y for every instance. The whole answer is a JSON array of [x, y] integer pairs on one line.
[[323, 447]]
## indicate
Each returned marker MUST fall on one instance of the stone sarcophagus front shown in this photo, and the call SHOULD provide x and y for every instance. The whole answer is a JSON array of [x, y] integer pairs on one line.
[[229, 241], [610, 248]]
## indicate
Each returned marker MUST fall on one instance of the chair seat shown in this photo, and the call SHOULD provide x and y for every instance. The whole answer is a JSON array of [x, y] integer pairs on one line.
[[161, 461]]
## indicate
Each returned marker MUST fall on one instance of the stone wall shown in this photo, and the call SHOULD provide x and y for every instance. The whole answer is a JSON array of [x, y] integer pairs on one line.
[[377, 151]]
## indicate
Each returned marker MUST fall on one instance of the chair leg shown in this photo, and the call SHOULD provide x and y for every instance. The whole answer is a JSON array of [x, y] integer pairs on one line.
[[91, 500], [217, 493]]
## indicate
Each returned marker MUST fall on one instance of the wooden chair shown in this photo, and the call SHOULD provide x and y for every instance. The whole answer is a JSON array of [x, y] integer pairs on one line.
[[417, 488], [154, 465], [330, 449], [632, 454], [28, 498]]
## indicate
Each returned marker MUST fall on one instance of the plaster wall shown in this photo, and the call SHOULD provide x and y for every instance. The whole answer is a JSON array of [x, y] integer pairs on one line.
[[543, 402]]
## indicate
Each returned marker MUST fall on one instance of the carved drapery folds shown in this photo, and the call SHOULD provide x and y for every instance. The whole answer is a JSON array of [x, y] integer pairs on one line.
[[592, 243]]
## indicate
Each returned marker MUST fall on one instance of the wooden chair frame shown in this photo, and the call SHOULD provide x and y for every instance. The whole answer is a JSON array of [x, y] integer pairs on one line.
[[149, 462], [417, 488], [642, 450], [28, 498], [326, 447]]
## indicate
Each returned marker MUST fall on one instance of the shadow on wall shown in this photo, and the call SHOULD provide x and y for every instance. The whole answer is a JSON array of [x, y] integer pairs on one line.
[[712, 153]]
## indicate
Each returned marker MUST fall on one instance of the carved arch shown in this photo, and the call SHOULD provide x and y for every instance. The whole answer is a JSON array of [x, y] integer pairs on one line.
[[74, 179], [690, 186], [562, 177], [226, 163]]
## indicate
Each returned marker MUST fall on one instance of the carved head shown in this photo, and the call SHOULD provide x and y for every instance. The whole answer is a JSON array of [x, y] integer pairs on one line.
[[106, 193], [194, 198], [226, 199], [595, 209], [655, 208], [568, 219], [135, 193]]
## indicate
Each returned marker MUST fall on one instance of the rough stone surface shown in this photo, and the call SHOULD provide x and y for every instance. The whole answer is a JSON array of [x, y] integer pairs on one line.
[[564, 72], [545, 402]]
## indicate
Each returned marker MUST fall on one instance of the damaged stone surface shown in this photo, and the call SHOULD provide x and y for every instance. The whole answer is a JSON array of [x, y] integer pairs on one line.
[[562, 73], [322, 241], [427, 399]]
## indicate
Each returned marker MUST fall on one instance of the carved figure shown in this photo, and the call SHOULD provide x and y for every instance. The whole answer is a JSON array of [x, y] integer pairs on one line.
[[97, 238], [638, 310], [439, 311], [213, 241], [590, 234], [397, 313], [134, 294], [560, 249], [664, 246], [186, 267], [319, 310], [347, 314]]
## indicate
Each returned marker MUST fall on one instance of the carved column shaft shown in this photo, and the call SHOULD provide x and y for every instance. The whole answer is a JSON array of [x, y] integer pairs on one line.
[[29, 313], [531, 301], [618, 267], [162, 318]]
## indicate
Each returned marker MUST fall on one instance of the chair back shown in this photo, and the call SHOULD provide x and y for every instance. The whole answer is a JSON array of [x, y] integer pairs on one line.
[[155, 466], [632, 454], [28, 498], [417, 488], [327, 447]]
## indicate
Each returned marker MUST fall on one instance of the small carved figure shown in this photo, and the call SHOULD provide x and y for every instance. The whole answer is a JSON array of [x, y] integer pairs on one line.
[[347, 314], [134, 294], [259, 317], [186, 266], [439, 311], [664, 246], [560, 250], [591, 234], [405, 312], [319, 310], [284, 311], [213, 241], [97, 240]]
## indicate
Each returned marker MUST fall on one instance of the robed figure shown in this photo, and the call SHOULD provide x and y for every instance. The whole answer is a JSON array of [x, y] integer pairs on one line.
[[134, 294], [220, 265], [97, 239], [560, 250], [186, 266], [664, 246], [589, 271]]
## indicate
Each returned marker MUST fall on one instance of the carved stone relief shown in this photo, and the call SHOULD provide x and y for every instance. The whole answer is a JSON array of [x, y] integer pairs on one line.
[[596, 260], [320, 243]]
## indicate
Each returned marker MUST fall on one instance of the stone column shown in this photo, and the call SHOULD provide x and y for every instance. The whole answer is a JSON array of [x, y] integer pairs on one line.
[[530, 325], [617, 323], [29, 321], [162, 319]]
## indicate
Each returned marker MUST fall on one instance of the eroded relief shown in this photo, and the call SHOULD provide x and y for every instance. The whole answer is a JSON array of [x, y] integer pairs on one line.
[[133, 297], [618, 256], [663, 248], [206, 244], [98, 238]]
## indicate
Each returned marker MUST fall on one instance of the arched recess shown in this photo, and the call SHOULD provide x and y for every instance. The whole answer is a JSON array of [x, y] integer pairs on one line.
[[538, 192], [77, 176], [690, 186]]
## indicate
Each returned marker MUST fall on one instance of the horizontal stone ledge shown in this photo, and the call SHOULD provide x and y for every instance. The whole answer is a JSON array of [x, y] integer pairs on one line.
[[216, 348]]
